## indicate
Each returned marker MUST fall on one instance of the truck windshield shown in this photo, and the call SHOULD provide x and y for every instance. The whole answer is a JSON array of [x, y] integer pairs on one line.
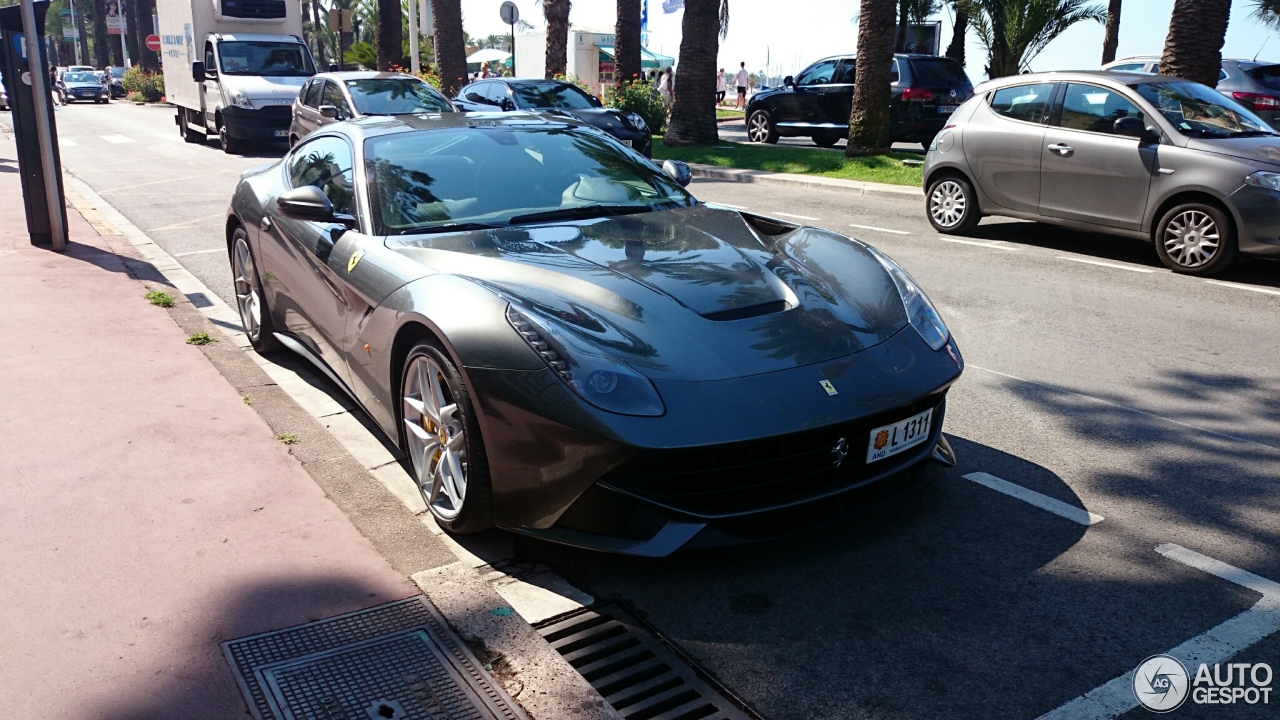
[[281, 59]]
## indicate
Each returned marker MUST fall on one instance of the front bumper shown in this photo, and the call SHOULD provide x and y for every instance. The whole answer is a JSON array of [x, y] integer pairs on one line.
[[1258, 212], [641, 142], [267, 124]]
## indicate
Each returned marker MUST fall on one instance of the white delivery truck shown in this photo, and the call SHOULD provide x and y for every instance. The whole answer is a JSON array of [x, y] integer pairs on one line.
[[233, 67]]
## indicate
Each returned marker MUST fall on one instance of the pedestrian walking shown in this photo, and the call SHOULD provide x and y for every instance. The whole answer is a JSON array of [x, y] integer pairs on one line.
[[722, 87], [665, 82], [743, 82], [53, 85], [484, 71]]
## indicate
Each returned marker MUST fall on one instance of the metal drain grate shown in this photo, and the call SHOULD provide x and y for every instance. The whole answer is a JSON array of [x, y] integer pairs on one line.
[[641, 677], [397, 661]]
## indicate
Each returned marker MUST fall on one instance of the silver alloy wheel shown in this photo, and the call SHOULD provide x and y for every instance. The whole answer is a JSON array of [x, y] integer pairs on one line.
[[759, 128], [437, 439], [246, 286], [947, 203], [1191, 238]]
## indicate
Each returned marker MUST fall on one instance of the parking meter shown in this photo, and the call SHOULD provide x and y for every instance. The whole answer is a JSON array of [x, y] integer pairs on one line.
[[17, 83]]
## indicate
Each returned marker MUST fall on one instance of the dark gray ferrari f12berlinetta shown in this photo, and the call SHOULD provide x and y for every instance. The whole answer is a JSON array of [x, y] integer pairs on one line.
[[565, 343]]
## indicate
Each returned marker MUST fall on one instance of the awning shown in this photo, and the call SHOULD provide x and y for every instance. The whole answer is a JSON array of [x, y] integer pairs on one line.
[[488, 55], [648, 60]]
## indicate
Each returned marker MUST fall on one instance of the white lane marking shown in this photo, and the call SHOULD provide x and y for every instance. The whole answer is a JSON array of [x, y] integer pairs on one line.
[[728, 205], [1239, 286], [67, 142], [798, 217], [1215, 645], [1044, 502], [167, 136], [198, 252], [117, 139], [879, 229], [991, 245], [1116, 266], [1118, 406]]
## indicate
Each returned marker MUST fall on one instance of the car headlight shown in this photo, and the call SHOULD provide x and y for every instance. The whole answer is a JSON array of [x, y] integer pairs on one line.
[[921, 313], [593, 375], [637, 122], [1264, 179], [239, 100]]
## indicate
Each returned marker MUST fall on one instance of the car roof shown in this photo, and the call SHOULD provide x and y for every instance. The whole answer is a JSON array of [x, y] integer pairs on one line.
[[378, 125], [900, 56], [365, 75], [1122, 78]]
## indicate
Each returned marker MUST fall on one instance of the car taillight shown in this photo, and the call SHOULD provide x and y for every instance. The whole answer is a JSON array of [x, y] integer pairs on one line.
[[1257, 101], [917, 94]]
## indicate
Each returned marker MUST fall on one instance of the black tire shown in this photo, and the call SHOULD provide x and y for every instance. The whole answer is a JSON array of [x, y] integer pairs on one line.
[[229, 145], [761, 128], [191, 136], [248, 282], [827, 139], [476, 513], [941, 201], [1180, 238]]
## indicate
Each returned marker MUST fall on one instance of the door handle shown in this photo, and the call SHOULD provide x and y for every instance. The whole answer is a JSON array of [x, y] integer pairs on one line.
[[265, 224], [1063, 150]]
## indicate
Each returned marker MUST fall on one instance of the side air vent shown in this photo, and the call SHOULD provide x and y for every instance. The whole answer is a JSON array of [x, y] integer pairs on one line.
[[635, 671], [252, 9], [751, 311]]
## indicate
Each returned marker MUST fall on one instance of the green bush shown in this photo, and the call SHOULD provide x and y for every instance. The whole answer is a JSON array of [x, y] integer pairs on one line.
[[427, 75], [641, 99], [139, 84]]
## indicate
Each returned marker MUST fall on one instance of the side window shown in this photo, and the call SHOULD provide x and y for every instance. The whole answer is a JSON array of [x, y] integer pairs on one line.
[[1096, 109], [312, 98], [846, 72], [1222, 75], [1128, 67], [1023, 102], [475, 93], [209, 62], [325, 163], [333, 96], [496, 93], [819, 74], [894, 75]]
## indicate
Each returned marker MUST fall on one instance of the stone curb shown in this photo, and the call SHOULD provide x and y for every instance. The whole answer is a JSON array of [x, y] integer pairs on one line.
[[853, 187]]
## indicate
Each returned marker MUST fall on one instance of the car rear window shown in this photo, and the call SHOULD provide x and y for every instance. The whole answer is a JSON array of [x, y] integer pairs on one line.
[[940, 71], [1267, 76]]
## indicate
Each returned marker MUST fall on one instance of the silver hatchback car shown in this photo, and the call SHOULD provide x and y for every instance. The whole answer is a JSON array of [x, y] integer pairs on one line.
[[1151, 157]]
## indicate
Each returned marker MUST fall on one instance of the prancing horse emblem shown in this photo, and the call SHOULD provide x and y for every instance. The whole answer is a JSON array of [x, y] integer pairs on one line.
[[840, 451], [354, 260]]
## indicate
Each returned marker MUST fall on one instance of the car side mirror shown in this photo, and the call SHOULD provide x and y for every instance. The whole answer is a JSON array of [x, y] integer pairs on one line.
[[788, 81], [197, 71], [507, 105], [329, 111], [677, 171], [1136, 128], [306, 203]]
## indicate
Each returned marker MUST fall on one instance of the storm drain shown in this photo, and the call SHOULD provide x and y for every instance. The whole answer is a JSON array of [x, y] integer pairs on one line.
[[392, 662], [641, 677]]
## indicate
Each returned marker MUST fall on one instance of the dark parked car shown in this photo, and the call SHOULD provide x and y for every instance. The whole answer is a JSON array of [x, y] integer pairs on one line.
[[926, 90], [83, 85], [1253, 84], [557, 97], [1145, 156], [567, 344], [336, 96]]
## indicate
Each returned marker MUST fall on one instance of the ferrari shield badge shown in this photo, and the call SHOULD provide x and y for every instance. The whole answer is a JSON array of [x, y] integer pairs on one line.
[[354, 260], [826, 385]]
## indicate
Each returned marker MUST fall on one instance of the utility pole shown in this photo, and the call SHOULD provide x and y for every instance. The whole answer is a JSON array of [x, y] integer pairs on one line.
[[44, 125]]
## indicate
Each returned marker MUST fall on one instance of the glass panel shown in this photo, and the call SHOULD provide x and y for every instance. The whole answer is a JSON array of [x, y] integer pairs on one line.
[[1267, 76], [845, 74], [277, 59], [1096, 109], [819, 74], [553, 95], [1199, 111], [396, 96], [326, 164], [939, 71], [333, 96], [1023, 102]]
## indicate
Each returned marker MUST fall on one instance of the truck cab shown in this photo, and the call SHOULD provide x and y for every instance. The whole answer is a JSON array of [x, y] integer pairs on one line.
[[248, 85]]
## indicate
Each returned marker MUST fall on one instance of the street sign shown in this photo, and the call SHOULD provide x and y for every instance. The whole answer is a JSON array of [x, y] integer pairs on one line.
[[509, 12], [153, 43]]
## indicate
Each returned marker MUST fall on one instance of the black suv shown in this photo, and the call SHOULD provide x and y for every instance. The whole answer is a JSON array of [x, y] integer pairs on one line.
[[926, 90]]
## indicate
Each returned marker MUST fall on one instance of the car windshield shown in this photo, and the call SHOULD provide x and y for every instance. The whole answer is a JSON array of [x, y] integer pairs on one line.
[[553, 95], [117, 72], [1200, 111], [80, 77], [496, 176], [265, 58], [396, 96], [1268, 76], [942, 71]]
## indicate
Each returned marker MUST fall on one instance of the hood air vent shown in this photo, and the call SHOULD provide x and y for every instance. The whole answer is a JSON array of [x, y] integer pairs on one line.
[[743, 313]]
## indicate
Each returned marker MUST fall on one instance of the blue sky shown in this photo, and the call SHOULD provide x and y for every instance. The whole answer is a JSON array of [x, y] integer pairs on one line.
[[809, 29]]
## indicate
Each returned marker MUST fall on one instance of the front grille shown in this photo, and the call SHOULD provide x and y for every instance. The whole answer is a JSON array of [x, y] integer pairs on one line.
[[277, 111], [738, 477]]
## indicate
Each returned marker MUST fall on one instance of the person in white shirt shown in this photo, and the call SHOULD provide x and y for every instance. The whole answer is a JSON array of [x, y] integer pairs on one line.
[[743, 81], [721, 87]]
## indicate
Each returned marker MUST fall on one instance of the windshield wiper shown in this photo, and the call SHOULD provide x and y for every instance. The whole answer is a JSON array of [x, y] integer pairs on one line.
[[584, 212], [451, 227]]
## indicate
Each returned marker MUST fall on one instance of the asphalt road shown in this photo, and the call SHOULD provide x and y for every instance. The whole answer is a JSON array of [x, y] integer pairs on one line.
[[1095, 377]]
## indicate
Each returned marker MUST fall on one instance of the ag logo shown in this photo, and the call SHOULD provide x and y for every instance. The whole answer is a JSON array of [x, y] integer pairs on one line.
[[1160, 683], [840, 451], [354, 260]]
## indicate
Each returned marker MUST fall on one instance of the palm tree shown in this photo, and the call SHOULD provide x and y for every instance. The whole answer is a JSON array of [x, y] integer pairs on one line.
[[869, 118], [1111, 39], [693, 113], [626, 46], [1193, 49], [1015, 31], [390, 38], [451, 51], [556, 13], [1267, 12], [146, 8], [101, 41], [955, 49]]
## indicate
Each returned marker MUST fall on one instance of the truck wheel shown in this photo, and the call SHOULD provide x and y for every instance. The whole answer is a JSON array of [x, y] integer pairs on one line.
[[191, 136], [229, 144]]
